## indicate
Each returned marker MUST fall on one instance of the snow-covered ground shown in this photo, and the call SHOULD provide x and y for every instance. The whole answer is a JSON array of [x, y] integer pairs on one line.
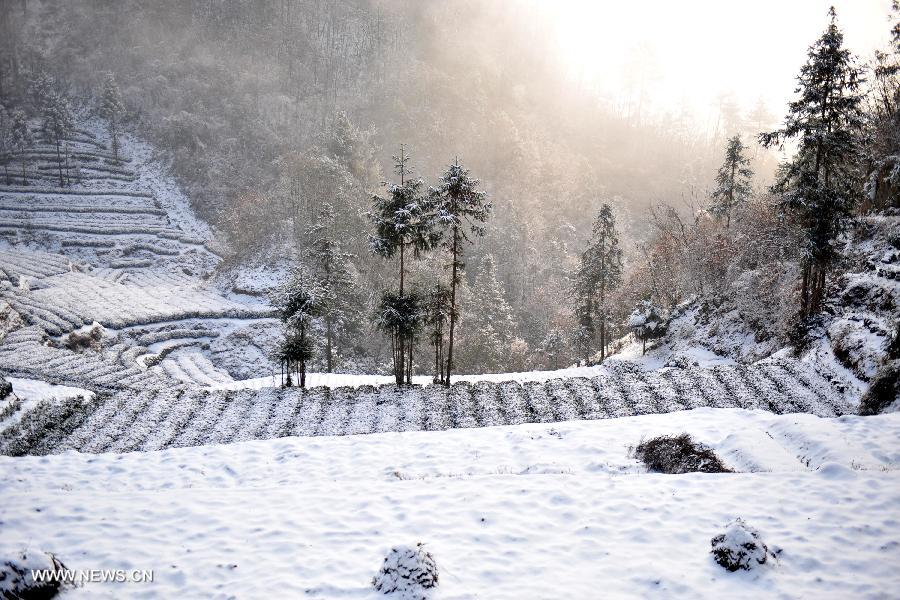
[[529, 511], [631, 352], [355, 380], [35, 390]]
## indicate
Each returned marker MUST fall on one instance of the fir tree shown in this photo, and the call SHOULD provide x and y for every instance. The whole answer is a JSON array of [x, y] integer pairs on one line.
[[333, 273], [112, 108], [402, 225], [41, 89], [599, 273], [490, 327], [298, 301], [733, 181], [458, 203], [58, 124], [21, 139], [819, 186]]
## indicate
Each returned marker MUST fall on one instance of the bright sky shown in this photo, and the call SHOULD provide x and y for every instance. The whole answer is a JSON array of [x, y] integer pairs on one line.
[[702, 48]]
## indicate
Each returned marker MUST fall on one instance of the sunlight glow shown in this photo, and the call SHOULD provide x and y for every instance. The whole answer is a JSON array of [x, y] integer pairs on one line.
[[687, 54]]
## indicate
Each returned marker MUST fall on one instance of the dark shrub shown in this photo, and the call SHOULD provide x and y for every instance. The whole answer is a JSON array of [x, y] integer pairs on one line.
[[884, 390], [678, 454], [5, 388], [90, 339]]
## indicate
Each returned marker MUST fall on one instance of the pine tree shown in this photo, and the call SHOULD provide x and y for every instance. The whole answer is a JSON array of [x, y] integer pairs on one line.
[[490, 327], [58, 124], [599, 273], [298, 301], [40, 89], [647, 322], [819, 185], [21, 139], [457, 203], [333, 273], [402, 224], [733, 181], [112, 108]]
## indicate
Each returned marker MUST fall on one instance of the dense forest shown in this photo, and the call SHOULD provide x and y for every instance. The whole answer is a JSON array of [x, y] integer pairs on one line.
[[284, 119]]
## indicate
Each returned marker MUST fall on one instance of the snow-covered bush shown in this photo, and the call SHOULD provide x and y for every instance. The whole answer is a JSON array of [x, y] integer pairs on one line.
[[647, 322], [16, 581], [740, 548], [408, 572], [89, 339], [5, 388], [678, 454]]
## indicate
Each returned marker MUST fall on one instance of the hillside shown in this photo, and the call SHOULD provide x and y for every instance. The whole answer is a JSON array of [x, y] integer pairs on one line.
[[118, 252], [117, 248]]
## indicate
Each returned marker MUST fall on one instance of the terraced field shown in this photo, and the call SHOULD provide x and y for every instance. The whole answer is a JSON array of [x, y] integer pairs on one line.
[[115, 244], [155, 419]]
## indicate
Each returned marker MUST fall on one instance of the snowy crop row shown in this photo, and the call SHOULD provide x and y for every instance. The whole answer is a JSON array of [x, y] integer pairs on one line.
[[154, 419]]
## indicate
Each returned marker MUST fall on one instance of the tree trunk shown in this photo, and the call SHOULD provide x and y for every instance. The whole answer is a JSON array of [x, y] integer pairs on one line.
[[328, 330], [400, 355], [453, 277], [59, 164], [804, 289]]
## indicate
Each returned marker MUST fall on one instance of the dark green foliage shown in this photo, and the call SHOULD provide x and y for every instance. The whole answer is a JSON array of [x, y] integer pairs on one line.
[[299, 302], [403, 223], [733, 181], [457, 205], [820, 186], [599, 274], [112, 108], [678, 454], [339, 301]]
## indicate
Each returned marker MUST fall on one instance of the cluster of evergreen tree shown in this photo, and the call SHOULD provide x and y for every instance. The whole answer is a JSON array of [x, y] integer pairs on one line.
[[411, 219], [847, 139]]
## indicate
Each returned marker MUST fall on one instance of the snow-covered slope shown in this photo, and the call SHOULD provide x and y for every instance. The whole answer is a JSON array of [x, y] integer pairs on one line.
[[117, 245], [528, 511]]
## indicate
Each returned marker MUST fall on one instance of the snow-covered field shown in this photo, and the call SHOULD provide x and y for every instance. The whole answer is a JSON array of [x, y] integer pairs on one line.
[[526, 511]]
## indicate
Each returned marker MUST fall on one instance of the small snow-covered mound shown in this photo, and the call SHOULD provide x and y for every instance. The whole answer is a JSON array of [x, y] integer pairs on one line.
[[740, 548], [678, 454], [408, 573], [17, 580]]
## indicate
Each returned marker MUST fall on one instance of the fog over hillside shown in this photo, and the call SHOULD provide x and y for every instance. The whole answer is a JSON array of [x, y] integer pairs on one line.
[[424, 300]]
